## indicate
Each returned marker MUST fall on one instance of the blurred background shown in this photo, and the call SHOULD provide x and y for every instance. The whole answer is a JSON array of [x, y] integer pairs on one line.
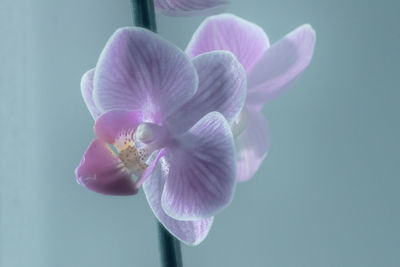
[[326, 195]]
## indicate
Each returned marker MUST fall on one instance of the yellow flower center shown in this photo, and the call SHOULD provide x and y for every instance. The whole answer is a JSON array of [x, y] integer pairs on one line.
[[134, 159], [135, 148]]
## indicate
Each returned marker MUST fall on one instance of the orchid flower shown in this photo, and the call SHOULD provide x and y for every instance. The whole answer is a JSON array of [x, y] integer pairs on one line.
[[270, 70], [164, 119], [190, 7]]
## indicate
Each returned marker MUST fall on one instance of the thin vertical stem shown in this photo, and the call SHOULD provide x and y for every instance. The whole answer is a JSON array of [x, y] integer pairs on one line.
[[170, 248], [143, 15]]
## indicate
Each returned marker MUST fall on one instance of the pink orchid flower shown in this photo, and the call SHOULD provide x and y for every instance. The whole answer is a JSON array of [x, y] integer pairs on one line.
[[270, 70], [190, 7], [164, 119]]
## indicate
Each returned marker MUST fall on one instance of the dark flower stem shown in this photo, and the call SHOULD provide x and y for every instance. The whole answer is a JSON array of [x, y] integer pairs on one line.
[[170, 249], [143, 14]]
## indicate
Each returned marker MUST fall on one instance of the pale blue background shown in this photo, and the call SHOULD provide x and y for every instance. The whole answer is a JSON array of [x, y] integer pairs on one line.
[[327, 195]]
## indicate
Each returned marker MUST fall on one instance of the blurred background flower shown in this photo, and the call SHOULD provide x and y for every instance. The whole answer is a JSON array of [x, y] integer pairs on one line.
[[270, 70]]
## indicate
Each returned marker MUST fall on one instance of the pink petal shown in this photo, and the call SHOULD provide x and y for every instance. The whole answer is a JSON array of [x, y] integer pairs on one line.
[[203, 170], [280, 65], [111, 125], [251, 145], [189, 232], [87, 90], [190, 7], [100, 171], [222, 88], [138, 70], [245, 40]]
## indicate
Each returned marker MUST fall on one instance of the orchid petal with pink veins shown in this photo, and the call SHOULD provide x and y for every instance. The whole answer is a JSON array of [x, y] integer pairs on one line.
[[244, 39], [138, 70], [202, 173], [189, 232], [190, 7], [222, 88]]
